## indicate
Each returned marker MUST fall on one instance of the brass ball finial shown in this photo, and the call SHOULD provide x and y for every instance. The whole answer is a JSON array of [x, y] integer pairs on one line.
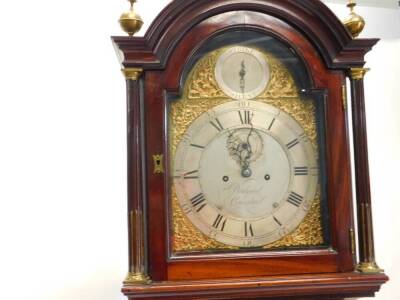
[[130, 21], [354, 22]]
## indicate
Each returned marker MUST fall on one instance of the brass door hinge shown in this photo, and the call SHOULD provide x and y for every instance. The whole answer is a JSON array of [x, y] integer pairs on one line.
[[352, 242], [344, 97]]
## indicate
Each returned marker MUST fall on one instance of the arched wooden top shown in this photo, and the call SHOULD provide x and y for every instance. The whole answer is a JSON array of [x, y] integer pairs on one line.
[[311, 17]]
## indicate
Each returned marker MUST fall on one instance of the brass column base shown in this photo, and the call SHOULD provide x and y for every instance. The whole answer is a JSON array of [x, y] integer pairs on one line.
[[369, 268], [137, 279]]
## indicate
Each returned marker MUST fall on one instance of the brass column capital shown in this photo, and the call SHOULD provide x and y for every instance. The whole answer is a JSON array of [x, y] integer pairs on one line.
[[358, 73], [132, 73]]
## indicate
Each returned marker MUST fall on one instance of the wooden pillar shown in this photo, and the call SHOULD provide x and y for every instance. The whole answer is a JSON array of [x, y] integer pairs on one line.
[[136, 191], [367, 262]]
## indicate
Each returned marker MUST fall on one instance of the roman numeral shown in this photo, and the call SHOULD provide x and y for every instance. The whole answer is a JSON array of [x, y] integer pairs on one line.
[[277, 221], [198, 202], [197, 146], [187, 208], [191, 175], [314, 171], [186, 138], [220, 220], [245, 117], [295, 199], [248, 229], [272, 124], [301, 171], [217, 124], [293, 143]]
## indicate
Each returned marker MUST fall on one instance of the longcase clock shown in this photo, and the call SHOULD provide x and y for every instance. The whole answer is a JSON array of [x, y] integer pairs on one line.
[[239, 169]]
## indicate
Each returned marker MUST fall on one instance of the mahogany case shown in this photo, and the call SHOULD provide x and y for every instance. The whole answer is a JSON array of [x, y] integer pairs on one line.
[[327, 48]]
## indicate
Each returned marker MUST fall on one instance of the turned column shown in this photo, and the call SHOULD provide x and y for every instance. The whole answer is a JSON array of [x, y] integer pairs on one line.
[[136, 191], [367, 262]]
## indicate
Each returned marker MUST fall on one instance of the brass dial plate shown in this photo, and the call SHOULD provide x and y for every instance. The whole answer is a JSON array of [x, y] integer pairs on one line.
[[201, 93]]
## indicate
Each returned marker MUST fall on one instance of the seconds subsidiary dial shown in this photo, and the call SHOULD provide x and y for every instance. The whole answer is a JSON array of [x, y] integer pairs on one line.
[[245, 173], [242, 72]]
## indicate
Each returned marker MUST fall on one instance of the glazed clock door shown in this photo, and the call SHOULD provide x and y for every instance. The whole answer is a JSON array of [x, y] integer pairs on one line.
[[249, 145], [245, 151]]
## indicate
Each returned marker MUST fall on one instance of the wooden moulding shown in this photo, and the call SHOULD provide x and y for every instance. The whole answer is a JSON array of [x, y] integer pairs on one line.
[[327, 286], [312, 17]]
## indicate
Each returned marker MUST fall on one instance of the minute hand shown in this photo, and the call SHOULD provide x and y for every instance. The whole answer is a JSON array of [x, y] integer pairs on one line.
[[249, 151]]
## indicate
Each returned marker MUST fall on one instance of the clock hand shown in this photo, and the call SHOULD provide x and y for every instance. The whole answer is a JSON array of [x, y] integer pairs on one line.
[[246, 171], [242, 75], [250, 152], [241, 149], [234, 147], [249, 147]]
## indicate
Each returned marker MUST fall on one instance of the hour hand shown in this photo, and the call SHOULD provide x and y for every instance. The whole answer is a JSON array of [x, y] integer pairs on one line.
[[245, 159]]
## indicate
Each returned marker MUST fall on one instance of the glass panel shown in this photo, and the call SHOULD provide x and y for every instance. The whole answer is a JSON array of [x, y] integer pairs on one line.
[[246, 150]]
